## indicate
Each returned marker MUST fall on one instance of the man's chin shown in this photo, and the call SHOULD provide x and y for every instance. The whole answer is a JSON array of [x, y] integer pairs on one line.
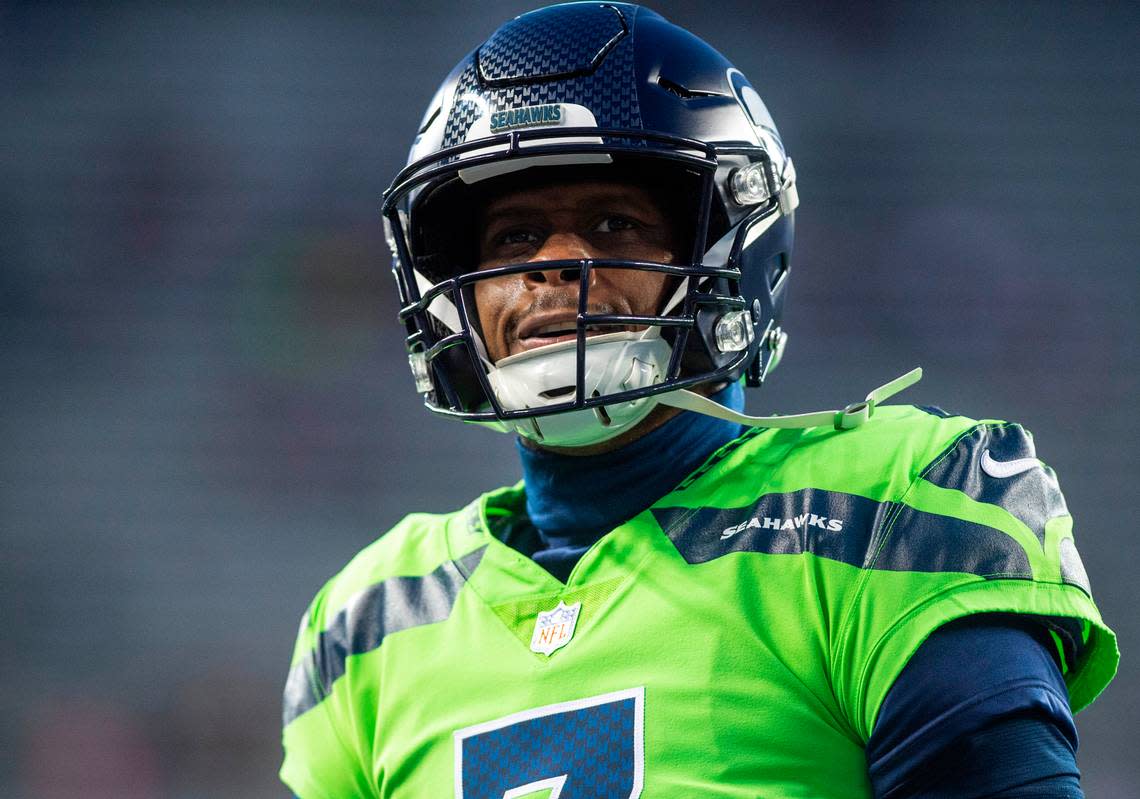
[[657, 417]]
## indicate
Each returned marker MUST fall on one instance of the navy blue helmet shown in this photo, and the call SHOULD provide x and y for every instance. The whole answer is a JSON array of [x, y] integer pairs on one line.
[[611, 90]]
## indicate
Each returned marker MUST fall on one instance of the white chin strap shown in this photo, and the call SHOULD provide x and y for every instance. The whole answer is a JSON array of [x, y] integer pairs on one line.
[[852, 416], [585, 427], [615, 362]]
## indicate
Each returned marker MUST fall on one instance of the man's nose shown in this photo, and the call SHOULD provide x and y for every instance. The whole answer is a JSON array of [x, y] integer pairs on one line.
[[561, 247]]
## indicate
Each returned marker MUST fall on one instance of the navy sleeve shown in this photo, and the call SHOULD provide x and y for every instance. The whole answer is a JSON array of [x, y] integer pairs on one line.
[[981, 710]]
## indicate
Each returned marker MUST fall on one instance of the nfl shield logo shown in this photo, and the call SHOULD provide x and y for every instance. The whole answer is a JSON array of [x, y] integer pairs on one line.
[[554, 629]]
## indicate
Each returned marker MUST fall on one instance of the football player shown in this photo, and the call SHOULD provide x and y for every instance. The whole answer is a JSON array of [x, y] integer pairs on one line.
[[592, 242]]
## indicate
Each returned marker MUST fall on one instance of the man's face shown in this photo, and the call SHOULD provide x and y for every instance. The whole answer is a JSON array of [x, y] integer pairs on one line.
[[595, 219]]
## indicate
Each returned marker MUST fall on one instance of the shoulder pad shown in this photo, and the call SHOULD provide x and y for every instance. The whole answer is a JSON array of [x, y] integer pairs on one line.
[[996, 464]]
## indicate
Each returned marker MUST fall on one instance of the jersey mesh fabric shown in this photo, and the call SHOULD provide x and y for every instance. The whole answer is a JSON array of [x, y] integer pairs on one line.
[[771, 599]]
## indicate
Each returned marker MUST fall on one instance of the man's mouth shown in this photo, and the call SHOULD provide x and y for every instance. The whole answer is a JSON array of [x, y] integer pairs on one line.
[[542, 330]]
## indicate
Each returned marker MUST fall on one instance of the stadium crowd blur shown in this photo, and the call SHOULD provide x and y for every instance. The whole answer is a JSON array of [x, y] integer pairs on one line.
[[206, 404]]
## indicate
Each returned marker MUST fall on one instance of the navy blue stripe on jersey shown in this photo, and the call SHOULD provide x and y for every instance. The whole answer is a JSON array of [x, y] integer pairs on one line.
[[828, 524], [844, 527], [981, 708], [1032, 495], [934, 543], [395, 604]]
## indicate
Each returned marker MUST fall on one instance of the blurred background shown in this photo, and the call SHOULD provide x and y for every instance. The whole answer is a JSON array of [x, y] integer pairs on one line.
[[207, 410]]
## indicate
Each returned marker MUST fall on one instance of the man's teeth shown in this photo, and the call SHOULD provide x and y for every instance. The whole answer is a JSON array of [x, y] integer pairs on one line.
[[558, 329]]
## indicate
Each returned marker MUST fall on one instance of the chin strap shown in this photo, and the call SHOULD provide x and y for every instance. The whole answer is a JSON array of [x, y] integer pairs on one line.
[[853, 415]]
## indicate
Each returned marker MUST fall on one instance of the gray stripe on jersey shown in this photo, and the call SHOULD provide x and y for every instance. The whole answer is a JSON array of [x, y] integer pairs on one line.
[[1073, 568], [845, 528], [1033, 495], [395, 604]]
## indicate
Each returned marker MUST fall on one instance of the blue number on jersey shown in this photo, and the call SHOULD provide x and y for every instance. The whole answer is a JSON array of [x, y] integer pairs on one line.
[[591, 747]]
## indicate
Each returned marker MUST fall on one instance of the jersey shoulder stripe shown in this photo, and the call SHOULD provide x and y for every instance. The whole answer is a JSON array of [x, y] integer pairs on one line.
[[870, 498], [996, 464], [832, 494], [404, 579], [843, 527], [395, 604]]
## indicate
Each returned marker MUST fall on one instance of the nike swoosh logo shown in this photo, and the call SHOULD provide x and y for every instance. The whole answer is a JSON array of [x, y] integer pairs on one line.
[[995, 468]]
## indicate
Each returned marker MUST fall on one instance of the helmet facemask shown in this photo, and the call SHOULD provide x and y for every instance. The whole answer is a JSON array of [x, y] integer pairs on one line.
[[598, 385]]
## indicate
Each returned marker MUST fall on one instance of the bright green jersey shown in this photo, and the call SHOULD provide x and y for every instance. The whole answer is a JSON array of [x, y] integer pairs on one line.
[[734, 640]]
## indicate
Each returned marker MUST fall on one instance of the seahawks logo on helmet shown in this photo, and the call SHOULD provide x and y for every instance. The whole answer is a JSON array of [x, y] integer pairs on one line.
[[526, 117]]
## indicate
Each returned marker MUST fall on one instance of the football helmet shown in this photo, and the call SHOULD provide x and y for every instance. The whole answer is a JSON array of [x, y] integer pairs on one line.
[[613, 90]]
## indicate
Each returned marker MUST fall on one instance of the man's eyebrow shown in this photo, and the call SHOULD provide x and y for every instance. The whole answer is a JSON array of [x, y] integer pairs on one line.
[[508, 211], [631, 203]]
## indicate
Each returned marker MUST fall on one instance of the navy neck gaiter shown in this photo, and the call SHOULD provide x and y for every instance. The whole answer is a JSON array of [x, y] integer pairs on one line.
[[572, 501]]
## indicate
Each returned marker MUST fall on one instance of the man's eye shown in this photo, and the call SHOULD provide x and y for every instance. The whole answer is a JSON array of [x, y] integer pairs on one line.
[[614, 224], [516, 236]]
